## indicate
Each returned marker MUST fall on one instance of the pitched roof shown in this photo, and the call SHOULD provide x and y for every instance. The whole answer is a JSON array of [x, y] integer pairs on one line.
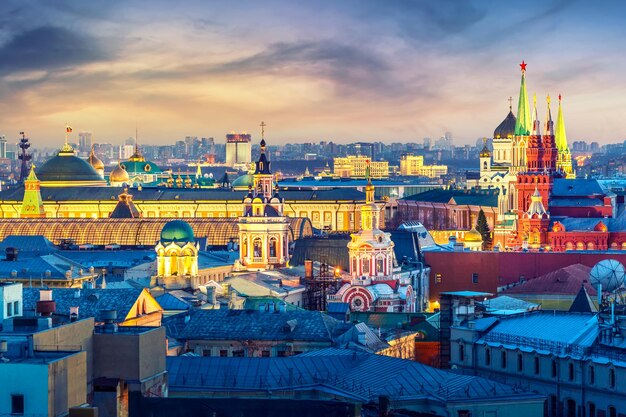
[[226, 324], [359, 375], [89, 301], [581, 187], [582, 303], [488, 198], [563, 281]]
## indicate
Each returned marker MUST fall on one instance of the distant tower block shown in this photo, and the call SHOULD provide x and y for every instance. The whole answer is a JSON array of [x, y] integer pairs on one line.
[[238, 149]]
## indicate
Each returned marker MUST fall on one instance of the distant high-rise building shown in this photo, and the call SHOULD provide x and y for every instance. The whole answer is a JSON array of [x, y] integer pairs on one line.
[[84, 141], [238, 148], [427, 143], [3, 146], [413, 165], [126, 151]]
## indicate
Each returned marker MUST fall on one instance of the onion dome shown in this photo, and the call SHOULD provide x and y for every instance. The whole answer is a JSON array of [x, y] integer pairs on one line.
[[67, 170], [485, 153], [137, 156], [177, 231], [473, 236], [243, 182], [118, 175], [506, 129], [94, 161]]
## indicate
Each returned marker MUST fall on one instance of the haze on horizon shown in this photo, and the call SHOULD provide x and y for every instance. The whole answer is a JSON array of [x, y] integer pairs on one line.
[[313, 70]]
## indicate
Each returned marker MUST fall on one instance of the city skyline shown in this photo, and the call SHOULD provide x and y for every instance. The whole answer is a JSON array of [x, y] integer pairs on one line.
[[342, 72]]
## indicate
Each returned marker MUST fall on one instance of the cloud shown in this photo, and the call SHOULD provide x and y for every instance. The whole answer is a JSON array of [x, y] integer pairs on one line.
[[49, 48]]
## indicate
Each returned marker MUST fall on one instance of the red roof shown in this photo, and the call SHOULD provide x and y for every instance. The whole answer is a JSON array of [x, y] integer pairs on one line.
[[563, 281]]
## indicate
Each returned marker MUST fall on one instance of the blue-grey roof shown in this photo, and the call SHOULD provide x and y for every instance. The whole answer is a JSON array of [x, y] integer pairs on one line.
[[48, 266], [580, 187], [557, 332], [28, 245], [171, 302], [226, 324], [359, 375], [90, 302], [111, 258], [576, 202], [337, 307]]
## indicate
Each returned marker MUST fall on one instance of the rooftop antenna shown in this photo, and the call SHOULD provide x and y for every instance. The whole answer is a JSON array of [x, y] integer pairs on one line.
[[262, 129]]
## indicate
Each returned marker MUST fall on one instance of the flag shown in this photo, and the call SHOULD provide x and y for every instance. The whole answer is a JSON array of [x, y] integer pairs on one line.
[[68, 129], [21, 133]]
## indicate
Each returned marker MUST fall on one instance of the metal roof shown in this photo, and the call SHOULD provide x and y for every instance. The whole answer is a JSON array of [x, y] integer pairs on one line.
[[358, 375]]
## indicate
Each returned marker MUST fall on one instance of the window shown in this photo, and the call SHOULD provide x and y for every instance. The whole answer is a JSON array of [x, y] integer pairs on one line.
[[16, 308], [592, 410], [206, 352], [592, 375], [461, 353], [437, 278], [612, 378], [503, 359], [474, 278], [520, 362], [553, 405], [464, 413], [570, 371], [536, 365], [488, 357], [554, 369], [17, 404], [9, 309], [612, 412], [238, 353], [265, 353], [223, 353]]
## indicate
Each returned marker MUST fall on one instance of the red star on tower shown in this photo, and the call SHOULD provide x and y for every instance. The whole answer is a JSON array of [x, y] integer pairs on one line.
[[523, 66]]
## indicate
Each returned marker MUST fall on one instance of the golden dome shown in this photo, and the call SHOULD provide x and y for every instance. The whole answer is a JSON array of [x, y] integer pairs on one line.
[[94, 161], [473, 236], [118, 175]]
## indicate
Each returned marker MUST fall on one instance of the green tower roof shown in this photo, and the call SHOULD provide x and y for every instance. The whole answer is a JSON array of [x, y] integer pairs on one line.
[[523, 124]]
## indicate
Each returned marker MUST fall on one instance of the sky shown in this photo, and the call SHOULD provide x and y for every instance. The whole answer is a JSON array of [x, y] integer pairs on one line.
[[388, 70]]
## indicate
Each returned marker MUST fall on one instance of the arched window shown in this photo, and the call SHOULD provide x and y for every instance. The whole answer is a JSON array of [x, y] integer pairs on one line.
[[570, 371], [355, 266], [257, 245], [592, 410], [461, 352], [520, 362], [554, 370], [503, 359], [488, 357], [273, 247], [592, 375], [366, 266], [380, 266], [244, 248], [612, 378], [612, 411]]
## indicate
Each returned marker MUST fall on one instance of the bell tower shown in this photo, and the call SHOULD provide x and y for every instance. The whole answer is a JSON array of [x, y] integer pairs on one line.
[[263, 178], [32, 204]]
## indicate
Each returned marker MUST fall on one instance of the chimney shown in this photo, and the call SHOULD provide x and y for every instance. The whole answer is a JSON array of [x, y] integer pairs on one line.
[[73, 314], [11, 254], [45, 306], [211, 295], [77, 293], [308, 269], [109, 317], [361, 338]]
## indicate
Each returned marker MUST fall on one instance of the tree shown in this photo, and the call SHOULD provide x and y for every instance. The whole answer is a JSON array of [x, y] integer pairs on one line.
[[483, 228]]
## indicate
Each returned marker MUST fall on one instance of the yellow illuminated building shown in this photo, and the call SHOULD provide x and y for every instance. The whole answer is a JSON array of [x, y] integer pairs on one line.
[[413, 165], [355, 167]]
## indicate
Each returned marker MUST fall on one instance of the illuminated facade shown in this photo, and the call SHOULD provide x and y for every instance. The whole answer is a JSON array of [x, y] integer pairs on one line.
[[413, 165], [238, 149], [32, 206], [177, 255], [263, 228], [375, 282], [356, 166]]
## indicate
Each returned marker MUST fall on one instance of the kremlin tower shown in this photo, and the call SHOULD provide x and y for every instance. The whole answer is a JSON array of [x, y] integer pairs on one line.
[[564, 158]]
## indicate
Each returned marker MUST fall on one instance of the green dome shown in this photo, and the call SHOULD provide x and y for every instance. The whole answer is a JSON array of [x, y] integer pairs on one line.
[[244, 181], [66, 167], [177, 231]]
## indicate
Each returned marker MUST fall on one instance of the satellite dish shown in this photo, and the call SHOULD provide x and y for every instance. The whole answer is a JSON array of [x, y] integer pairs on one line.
[[608, 273]]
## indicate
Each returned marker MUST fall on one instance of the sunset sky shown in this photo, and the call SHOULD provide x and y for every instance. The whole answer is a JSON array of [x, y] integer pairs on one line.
[[312, 70]]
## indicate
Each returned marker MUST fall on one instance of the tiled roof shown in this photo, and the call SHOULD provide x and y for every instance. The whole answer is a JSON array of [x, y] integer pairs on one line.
[[360, 375], [505, 302], [226, 324], [90, 301], [576, 202], [488, 198], [28, 245], [563, 281], [51, 266]]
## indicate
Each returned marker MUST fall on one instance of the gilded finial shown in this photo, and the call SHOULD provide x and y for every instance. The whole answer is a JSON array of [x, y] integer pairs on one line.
[[535, 99], [559, 99], [262, 129], [510, 103], [548, 100]]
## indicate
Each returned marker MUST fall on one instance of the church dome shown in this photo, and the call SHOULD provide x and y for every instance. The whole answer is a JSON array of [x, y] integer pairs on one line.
[[177, 231], [66, 169], [94, 161], [473, 236], [506, 129], [118, 175], [243, 181]]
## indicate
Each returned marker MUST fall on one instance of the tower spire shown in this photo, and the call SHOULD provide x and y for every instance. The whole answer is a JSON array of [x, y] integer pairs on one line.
[[549, 123], [560, 136], [536, 123], [523, 123]]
